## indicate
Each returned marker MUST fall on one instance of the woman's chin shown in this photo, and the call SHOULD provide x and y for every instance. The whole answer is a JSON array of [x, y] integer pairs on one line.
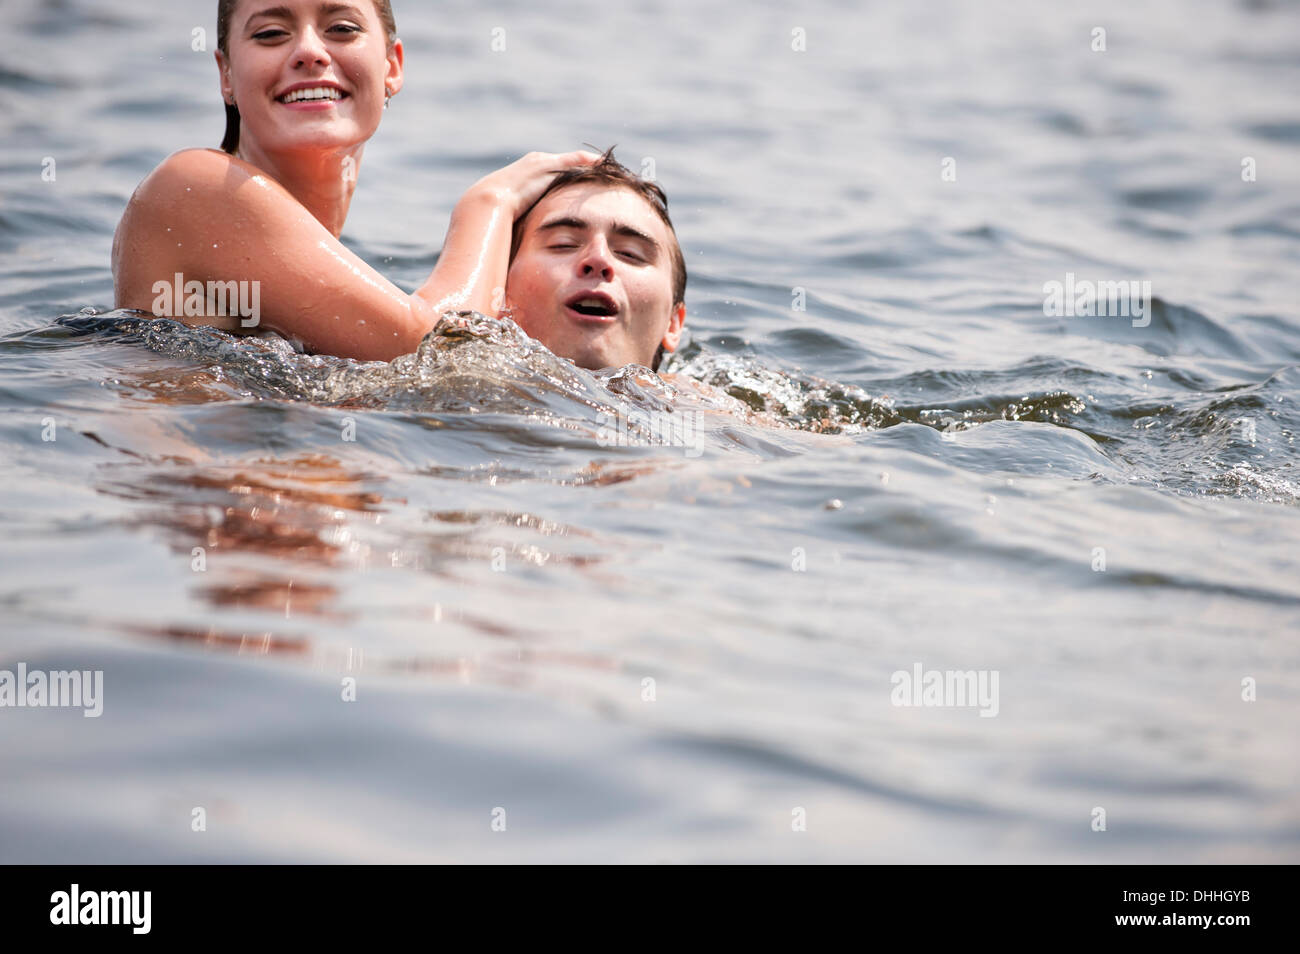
[[318, 136]]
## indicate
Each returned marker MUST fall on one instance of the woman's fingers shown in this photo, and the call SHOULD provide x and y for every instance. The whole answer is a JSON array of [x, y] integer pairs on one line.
[[581, 158], [553, 164], [523, 181], [540, 169], [558, 161]]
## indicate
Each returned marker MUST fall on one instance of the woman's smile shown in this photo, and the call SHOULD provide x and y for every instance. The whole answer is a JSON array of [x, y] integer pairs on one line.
[[312, 95]]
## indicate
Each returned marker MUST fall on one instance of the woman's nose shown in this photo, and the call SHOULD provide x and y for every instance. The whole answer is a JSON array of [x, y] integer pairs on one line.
[[311, 48]]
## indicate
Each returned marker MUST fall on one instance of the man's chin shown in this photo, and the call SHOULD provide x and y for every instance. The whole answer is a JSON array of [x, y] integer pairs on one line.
[[591, 353], [591, 362], [587, 354]]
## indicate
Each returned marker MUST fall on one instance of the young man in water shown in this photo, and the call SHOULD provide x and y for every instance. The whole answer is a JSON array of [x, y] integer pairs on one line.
[[596, 272]]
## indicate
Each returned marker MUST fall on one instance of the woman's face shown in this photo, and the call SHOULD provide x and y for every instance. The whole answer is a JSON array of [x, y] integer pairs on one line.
[[308, 74]]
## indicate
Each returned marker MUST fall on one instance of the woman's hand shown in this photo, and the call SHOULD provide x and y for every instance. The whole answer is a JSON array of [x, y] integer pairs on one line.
[[471, 270], [520, 184]]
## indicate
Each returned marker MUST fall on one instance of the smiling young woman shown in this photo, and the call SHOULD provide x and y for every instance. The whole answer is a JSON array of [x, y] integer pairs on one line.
[[305, 84]]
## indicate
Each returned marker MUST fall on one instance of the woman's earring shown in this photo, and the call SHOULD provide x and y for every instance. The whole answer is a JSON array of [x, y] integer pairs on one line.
[[388, 98]]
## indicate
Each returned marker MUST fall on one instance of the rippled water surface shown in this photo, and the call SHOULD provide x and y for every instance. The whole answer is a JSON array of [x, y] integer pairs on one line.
[[678, 645]]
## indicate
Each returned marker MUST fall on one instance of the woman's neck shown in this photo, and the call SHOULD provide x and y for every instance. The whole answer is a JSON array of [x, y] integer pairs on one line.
[[322, 181]]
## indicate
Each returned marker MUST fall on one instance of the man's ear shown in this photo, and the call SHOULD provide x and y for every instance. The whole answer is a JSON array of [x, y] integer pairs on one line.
[[673, 336]]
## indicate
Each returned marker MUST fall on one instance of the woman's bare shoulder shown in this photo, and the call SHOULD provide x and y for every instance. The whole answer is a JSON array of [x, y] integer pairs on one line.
[[185, 205], [196, 174], [199, 193]]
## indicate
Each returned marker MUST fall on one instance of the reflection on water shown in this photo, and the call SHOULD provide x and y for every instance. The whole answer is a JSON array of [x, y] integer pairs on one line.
[[308, 515]]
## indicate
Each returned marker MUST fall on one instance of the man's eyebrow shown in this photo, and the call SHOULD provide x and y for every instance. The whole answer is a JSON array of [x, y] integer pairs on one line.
[[564, 222], [620, 228]]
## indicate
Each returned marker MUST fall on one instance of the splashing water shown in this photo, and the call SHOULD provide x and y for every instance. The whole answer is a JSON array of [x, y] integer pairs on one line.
[[474, 364]]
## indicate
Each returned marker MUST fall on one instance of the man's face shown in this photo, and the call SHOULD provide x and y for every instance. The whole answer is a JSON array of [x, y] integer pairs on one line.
[[593, 277]]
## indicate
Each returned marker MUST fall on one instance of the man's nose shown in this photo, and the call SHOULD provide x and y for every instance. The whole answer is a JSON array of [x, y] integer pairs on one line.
[[597, 259], [311, 48]]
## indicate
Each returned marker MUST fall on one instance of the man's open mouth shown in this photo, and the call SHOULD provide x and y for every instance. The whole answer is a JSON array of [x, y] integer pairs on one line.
[[593, 305]]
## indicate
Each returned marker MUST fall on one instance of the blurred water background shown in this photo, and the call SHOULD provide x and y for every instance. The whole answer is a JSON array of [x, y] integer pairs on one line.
[[668, 653]]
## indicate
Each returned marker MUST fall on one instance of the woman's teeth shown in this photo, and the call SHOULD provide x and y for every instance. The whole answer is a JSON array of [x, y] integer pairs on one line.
[[319, 92]]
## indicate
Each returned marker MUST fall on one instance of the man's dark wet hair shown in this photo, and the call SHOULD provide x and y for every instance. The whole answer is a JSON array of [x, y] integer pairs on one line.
[[611, 172]]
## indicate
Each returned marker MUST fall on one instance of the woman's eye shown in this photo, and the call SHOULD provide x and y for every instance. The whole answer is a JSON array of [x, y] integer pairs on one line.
[[635, 256], [561, 247], [275, 33]]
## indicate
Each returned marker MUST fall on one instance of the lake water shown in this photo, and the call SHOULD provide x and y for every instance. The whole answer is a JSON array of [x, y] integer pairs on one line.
[[679, 643]]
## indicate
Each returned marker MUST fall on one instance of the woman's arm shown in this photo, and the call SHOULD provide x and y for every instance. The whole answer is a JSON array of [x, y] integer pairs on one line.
[[471, 271], [211, 218]]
